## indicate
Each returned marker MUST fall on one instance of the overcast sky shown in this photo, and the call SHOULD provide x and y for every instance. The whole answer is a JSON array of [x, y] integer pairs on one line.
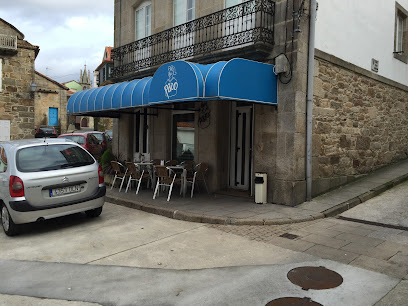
[[69, 33]]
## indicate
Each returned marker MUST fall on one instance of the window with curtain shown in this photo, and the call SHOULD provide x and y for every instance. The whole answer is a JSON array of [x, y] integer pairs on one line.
[[401, 33], [143, 16], [183, 11], [229, 3]]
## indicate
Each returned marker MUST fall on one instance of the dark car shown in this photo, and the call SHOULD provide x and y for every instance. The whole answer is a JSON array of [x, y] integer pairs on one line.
[[87, 140], [46, 131]]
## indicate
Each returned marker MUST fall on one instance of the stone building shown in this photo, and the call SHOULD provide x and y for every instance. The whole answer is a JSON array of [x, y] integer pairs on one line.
[[103, 73], [50, 103], [17, 75], [313, 112]]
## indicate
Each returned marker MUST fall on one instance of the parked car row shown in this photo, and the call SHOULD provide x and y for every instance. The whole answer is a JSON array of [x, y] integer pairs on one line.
[[94, 142], [47, 178]]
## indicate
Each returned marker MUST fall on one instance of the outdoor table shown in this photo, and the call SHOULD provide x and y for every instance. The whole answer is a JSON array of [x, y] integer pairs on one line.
[[183, 173]]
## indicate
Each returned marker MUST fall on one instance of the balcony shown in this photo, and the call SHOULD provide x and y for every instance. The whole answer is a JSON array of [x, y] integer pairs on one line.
[[8, 42], [247, 28]]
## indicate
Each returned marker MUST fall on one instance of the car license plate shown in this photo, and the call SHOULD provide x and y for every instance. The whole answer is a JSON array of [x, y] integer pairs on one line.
[[65, 190]]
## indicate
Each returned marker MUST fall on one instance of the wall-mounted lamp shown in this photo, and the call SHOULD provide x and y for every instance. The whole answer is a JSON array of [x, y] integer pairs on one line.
[[33, 87]]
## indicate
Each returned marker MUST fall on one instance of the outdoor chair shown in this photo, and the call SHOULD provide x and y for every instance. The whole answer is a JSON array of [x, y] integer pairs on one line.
[[189, 166], [166, 177], [172, 162], [156, 162], [120, 173], [136, 175], [199, 175]]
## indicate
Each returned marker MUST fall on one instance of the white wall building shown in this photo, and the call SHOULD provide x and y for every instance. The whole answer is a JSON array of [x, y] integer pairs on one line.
[[359, 31]]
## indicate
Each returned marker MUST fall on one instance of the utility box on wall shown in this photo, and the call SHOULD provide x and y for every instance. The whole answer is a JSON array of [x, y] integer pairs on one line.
[[4, 130]]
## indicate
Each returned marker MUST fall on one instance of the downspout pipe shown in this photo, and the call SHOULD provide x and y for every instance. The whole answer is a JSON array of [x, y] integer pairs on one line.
[[309, 99]]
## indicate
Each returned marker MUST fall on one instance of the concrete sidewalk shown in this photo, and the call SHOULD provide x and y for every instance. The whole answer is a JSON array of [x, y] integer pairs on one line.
[[223, 209]]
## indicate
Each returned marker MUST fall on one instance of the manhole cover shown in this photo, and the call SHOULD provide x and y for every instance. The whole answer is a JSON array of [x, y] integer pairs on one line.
[[315, 278], [289, 236], [293, 301]]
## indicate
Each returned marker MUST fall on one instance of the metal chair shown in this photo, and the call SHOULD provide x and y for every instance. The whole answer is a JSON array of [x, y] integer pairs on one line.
[[172, 162], [165, 177], [156, 162], [119, 173], [199, 175], [136, 175], [189, 166]]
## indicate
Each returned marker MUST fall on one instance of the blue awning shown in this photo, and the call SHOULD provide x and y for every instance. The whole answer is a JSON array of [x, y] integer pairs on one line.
[[111, 97], [181, 81], [241, 80], [176, 81]]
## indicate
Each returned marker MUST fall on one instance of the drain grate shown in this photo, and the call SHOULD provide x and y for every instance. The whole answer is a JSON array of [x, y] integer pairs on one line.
[[315, 278], [293, 301], [289, 236]]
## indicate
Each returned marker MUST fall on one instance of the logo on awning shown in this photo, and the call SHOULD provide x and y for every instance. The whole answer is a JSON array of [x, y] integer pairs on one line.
[[171, 85]]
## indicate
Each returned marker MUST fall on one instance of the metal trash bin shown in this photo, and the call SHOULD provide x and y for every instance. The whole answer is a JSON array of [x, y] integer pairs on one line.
[[261, 187]]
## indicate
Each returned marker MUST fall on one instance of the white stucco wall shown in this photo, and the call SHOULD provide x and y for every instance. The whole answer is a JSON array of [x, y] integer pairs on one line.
[[358, 30]]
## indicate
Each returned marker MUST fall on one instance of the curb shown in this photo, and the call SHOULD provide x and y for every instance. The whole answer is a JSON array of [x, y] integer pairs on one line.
[[201, 218], [342, 207]]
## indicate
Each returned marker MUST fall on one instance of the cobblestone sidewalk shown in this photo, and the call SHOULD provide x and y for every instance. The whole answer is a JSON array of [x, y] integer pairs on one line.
[[370, 247]]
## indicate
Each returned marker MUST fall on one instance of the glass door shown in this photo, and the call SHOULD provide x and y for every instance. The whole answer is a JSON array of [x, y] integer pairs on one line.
[[241, 147], [183, 136], [140, 143]]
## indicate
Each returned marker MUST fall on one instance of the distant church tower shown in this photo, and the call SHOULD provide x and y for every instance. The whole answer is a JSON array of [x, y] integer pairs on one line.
[[85, 79]]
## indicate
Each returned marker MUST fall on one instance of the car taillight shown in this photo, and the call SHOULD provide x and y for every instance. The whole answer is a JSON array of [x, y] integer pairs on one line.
[[103, 145], [53, 131], [100, 174], [38, 130], [16, 187]]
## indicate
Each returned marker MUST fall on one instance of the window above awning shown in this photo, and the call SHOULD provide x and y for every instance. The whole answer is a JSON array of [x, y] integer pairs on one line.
[[181, 81]]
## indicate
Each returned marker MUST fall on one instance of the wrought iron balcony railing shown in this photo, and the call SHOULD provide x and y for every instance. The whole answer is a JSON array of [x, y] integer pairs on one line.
[[8, 42], [244, 24]]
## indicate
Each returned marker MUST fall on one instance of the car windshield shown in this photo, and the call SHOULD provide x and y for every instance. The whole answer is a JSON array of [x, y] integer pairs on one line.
[[76, 138], [109, 133], [52, 157]]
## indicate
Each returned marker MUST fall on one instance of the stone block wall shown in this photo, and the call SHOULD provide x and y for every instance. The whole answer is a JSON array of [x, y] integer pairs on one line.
[[16, 99], [360, 122], [48, 94]]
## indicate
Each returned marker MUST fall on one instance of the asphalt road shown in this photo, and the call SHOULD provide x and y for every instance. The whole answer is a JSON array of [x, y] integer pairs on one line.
[[128, 257]]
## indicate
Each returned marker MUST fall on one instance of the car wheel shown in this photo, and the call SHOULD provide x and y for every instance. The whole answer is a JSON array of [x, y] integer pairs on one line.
[[9, 227], [94, 212]]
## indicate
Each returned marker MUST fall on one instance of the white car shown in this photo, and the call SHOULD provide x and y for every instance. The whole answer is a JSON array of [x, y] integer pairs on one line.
[[47, 178]]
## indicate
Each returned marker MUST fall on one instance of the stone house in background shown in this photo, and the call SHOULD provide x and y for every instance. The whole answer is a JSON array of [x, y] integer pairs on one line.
[[83, 83], [17, 57], [341, 106], [50, 103]]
